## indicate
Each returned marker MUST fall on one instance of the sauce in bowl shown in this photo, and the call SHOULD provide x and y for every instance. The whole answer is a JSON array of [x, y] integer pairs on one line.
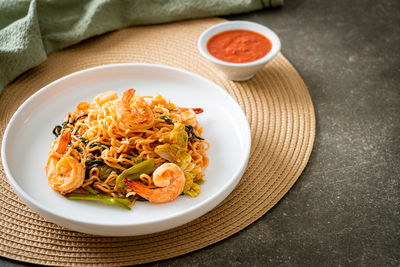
[[239, 46]]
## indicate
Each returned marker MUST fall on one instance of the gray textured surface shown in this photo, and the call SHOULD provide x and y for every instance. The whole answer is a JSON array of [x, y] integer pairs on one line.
[[344, 209]]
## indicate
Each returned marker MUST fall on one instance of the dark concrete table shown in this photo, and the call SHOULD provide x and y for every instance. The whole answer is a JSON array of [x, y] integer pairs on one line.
[[344, 209]]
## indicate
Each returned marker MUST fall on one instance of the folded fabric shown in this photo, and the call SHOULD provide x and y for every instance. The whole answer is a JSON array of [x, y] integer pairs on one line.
[[30, 30]]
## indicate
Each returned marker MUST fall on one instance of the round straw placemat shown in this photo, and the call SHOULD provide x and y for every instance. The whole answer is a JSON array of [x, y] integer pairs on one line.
[[281, 116]]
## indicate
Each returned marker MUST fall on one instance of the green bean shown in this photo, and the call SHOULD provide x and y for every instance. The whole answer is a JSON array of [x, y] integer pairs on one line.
[[138, 160], [134, 172], [122, 202], [91, 189]]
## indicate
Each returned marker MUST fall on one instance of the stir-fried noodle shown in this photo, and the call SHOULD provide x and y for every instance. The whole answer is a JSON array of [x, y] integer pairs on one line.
[[120, 149]]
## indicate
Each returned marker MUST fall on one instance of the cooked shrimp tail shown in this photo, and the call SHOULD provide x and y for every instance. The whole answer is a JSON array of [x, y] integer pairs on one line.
[[63, 142], [170, 180], [127, 95]]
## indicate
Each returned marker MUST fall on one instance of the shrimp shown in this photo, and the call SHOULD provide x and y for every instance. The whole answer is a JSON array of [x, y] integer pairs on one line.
[[65, 173], [188, 116], [102, 98], [169, 179], [136, 114]]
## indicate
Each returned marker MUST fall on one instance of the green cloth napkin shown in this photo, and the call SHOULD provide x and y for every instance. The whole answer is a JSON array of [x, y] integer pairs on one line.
[[30, 30]]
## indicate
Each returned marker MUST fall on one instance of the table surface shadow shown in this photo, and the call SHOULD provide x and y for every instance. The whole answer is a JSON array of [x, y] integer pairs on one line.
[[344, 209]]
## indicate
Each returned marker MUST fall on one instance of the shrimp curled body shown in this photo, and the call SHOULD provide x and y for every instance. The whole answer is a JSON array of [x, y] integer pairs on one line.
[[170, 180], [65, 173], [133, 113]]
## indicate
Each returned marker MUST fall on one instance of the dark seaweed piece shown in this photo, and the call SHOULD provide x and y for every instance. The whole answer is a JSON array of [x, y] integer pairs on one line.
[[100, 145], [87, 174], [79, 149], [84, 140], [141, 199], [65, 123], [166, 119], [189, 129], [135, 152], [57, 130], [94, 162], [77, 118], [96, 152]]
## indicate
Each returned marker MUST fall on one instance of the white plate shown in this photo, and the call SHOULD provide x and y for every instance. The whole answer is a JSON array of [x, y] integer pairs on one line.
[[29, 135]]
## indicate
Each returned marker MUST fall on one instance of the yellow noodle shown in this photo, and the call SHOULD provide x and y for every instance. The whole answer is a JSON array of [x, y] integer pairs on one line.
[[100, 136]]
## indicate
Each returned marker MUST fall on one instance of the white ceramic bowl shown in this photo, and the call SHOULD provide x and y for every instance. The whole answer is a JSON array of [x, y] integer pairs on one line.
[[239, 71], [28, 137]]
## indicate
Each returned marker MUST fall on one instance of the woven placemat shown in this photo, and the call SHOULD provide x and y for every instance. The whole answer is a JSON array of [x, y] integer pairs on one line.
[[281, 117]]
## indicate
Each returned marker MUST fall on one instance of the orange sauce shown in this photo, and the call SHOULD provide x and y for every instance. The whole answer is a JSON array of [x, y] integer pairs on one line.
[[239, 46]]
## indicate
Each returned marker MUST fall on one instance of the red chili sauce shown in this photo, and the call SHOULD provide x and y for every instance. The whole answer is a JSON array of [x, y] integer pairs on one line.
[[239, 46]]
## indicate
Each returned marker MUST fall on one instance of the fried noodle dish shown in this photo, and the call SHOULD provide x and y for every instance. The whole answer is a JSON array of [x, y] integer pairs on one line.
[[122, 149]]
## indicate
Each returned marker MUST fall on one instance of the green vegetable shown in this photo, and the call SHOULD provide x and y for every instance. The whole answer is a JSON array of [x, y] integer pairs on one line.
[[166, 119], [78, 149], [94, 162], [80, 116], [201, 181], [100, 145], [134, 172], [138, 160], [104, 172], [57, 130], [189, 129], [84, 140], [122, 202], [91, 189], [65, 123]]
